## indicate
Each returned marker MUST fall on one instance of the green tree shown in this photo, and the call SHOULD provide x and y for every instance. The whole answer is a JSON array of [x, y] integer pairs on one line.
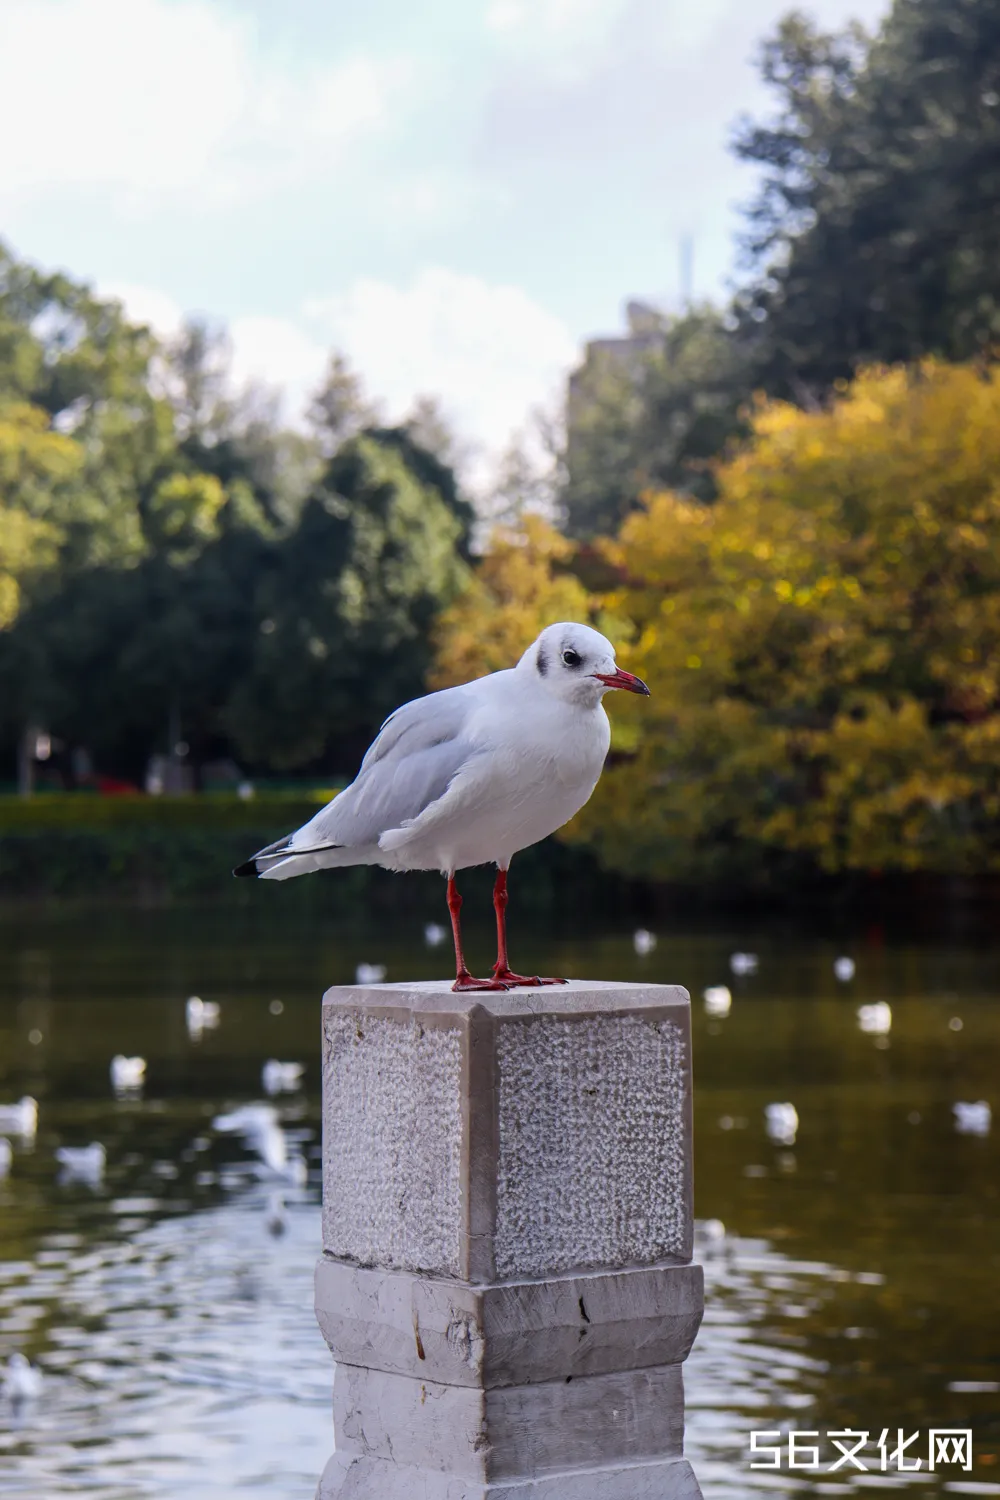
[[873, 235], [651, 412]]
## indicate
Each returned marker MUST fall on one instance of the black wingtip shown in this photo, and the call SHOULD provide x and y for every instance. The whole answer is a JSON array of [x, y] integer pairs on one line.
[[249, 868]]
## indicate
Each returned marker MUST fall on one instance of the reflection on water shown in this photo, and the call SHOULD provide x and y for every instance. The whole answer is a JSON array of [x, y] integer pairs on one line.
[[168, 1299]]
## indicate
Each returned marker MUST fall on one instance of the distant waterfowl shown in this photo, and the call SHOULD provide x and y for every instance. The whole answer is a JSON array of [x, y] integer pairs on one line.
[[259, 1127], [782, 1123], [718, 1001], [643, 941], [281, 1077], [200, 1015], [82, 1163], [369, 973], [128, 1074], [972, 1118], [20, 1118], [21, 1382], [711, 1236], [434, 934], [743, 963], [6, 1155], [875, 1019], [844, 969]]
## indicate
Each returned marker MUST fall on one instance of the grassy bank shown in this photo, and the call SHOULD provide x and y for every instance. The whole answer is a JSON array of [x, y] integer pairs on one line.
[[156, 849]]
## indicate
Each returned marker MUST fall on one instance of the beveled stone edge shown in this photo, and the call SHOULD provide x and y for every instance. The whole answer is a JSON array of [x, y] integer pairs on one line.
[[350, 1477], [511, 1432], [435, 998], [509, 1333]]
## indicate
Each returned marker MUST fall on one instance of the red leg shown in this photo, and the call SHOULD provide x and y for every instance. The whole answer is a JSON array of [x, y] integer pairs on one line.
[[502, 969], [463, 979]]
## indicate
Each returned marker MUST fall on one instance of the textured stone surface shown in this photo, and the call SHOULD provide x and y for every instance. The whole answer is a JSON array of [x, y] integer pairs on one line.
[[348, 1477], [510, 1432], [591, 1161], [392, 1141], [500, 1136], [513, 1334]]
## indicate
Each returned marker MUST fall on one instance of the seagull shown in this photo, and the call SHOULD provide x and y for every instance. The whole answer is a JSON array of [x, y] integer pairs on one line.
[[21, 1381], [200, 1015], [974, 1118], [20, 1118], [258, 1125], [369, 973], [782, 1123], [469, 776], [128, 1074], [718, 1000], [82, 1163], [875, 1019], [281, 1077]]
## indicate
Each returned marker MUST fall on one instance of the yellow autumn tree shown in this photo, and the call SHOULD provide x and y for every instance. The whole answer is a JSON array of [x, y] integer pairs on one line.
[[520, 586], [822, 644], [34, 463]]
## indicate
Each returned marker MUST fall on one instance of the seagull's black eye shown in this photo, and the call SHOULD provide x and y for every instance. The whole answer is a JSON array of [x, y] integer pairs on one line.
[[571, 658]]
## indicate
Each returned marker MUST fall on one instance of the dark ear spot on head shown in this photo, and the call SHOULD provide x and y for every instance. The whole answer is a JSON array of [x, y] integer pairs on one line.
[[542, 662]]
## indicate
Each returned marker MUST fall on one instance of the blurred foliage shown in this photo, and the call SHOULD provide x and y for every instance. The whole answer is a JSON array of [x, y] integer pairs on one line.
[[873, 235], [518, 589], [873, 238], [174, 564], [656, 415], [822, 644]]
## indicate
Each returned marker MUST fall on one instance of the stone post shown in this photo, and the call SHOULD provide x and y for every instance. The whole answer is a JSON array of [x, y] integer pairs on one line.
[[506, 1281]]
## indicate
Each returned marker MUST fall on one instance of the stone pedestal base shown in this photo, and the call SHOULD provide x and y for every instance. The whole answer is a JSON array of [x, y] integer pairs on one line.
[[349, 1477], [506, 1283]]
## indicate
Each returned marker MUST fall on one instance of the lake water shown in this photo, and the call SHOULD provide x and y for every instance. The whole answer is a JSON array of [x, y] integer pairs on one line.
[[857, 1286]]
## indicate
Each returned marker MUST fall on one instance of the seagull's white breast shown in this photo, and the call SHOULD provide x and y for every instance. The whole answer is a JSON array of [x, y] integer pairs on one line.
[[537, 760]]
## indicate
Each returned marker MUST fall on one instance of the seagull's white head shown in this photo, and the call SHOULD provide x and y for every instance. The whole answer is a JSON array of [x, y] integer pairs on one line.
[[577, 664]]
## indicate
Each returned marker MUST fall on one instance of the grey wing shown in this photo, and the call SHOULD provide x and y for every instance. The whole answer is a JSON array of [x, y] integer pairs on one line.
[[418, 751]]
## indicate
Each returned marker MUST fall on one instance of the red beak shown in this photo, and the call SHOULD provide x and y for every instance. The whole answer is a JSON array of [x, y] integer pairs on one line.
[[620, 679]]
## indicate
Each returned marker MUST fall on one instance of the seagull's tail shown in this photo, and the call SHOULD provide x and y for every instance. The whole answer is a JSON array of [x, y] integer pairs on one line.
[[282, 860]]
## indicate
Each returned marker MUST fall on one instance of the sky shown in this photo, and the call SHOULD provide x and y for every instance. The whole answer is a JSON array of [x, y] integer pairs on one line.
[[455, 193]]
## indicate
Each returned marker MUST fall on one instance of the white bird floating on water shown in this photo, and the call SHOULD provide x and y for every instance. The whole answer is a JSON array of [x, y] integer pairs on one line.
[[369, 974], [469, 776], [82, 1163], [972, 1118], [281, 1077], [21, 1381], [844, 969], [643, 942], [258, 1125], [875, 1019], [434, 934], [6, 1155], [200, 1015], [743, 963], [20, 1118], [718, 1001], [712, 1235], [782, 1123], [128, 1074]]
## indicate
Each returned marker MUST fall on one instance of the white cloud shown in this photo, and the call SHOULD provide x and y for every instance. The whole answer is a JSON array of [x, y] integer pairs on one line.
[[144, 98], [488, 351], [276, 352]]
